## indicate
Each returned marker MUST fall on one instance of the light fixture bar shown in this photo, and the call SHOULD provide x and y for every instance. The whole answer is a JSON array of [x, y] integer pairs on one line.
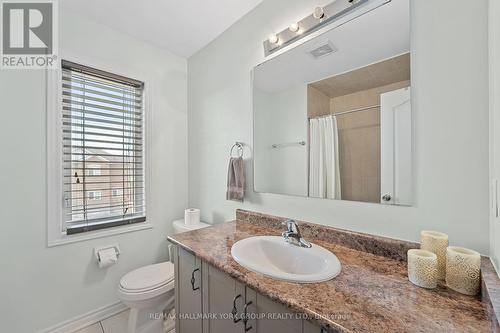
[[318, 19]]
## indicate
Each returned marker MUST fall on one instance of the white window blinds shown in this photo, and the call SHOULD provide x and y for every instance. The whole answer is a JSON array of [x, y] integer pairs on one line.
[[103, 149]]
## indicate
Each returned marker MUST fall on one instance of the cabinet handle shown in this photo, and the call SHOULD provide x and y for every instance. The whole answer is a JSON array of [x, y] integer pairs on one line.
[[235, 310], [193, 280], [245, 316]]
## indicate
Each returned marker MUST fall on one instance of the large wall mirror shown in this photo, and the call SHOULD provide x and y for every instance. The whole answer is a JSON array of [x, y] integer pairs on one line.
[[333, 116]]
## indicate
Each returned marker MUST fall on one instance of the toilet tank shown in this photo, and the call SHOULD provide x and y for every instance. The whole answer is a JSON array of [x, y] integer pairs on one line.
[[179, 226]]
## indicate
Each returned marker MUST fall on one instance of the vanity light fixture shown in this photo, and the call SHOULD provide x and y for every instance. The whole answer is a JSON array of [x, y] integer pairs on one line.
[[294, 27], [273, 39], [339, 11], [319, 13]]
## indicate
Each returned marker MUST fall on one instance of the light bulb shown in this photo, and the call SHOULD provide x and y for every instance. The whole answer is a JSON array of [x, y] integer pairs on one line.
[[294, 27], [319, 13], [273, 39]]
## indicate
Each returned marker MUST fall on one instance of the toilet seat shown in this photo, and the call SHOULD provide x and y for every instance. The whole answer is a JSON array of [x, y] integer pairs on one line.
[[148, 277], [147, 282]]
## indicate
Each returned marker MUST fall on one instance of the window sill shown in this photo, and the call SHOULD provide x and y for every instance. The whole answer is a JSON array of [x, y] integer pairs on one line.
[[63, 239]]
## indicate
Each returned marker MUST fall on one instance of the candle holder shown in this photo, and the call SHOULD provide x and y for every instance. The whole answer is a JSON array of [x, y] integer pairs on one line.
[[422, 268], [463, 268], [436, 242]]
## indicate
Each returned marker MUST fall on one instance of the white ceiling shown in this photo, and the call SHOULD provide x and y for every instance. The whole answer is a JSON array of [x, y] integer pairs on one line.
[[180, 26]]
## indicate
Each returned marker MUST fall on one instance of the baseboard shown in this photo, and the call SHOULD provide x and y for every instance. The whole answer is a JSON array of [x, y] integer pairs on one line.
[[87, 319]]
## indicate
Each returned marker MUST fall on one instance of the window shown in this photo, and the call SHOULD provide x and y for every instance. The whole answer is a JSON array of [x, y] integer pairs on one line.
[[94, 195], [116, 193], [94, 170], [102, 148]]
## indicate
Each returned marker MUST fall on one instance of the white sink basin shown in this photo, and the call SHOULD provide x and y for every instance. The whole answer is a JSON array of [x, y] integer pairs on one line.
[[273, 257]]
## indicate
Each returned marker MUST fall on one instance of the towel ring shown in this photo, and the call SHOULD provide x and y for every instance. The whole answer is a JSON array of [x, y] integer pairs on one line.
[[239, 147]]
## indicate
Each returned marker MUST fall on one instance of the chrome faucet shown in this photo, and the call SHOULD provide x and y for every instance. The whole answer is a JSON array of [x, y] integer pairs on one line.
[[292, 234]]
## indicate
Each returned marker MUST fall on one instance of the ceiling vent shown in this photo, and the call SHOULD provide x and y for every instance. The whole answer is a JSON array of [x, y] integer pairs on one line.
[[322, 49]]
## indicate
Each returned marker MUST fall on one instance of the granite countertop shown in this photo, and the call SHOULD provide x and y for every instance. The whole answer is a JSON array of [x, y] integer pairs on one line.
[[371, 294]]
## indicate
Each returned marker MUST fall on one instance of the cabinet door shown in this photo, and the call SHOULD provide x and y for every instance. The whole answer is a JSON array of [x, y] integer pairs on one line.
[[250, 311], [224, 296], [188, 287], [312, 328], [276, 318]]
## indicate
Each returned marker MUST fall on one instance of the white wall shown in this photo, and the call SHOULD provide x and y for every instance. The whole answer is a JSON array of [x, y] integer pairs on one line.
[[494, 47], [42, 286], [450, 105], [281, 117]]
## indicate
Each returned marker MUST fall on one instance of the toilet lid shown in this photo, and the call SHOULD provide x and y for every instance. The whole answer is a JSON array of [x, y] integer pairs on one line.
[[148, 277]]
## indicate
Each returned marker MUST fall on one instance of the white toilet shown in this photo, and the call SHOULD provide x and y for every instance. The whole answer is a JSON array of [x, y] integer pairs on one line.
[[149, 291]]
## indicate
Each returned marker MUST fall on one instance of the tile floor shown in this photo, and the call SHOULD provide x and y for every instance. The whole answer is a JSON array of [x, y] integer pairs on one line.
[[116, 324]]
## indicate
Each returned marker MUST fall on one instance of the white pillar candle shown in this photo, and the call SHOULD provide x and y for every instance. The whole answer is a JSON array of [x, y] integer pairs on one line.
[[463, 267], [436, 242], [422, 268]]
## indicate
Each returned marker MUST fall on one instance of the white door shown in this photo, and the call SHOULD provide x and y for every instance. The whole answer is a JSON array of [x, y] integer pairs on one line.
[[396, 147]]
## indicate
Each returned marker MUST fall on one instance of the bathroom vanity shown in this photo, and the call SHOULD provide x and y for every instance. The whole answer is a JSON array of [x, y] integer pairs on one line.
[[227, 304], [371, 294]]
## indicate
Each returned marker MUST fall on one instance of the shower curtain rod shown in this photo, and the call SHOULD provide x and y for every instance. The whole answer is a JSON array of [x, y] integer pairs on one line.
[[349, 111]]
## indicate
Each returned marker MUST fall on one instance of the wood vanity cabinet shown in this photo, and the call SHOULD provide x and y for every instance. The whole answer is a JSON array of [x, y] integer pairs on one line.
[[207, 292]]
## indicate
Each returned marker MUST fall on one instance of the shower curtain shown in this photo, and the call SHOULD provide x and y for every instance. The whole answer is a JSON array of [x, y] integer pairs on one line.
[[324, 170]]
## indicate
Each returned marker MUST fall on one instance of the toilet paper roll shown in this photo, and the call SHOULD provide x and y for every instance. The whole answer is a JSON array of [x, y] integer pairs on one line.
[[191, 216], [107, 257]]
